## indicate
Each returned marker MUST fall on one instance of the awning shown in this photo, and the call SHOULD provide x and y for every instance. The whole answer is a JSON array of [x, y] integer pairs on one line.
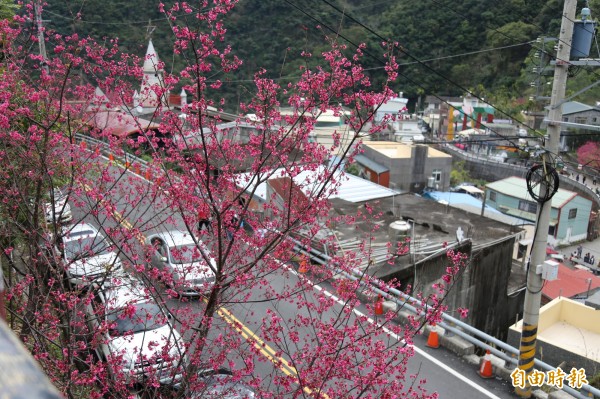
[[367, 163]]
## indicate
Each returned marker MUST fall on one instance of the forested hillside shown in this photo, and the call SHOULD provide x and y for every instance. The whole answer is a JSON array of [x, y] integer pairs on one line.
[[449, 46]]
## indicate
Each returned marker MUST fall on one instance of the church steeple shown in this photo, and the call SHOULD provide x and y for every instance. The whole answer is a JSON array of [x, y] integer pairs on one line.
[[152, 82], [151, 61]]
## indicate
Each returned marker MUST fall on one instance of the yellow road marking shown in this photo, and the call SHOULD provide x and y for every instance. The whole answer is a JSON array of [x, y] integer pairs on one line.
[[265, 349]]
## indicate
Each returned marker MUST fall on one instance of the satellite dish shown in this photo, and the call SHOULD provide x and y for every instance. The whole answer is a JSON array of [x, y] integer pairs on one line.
[[139, 109]]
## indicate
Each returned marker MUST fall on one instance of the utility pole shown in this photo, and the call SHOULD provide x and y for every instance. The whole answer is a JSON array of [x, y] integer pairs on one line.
[[41, 40], [531, 311]]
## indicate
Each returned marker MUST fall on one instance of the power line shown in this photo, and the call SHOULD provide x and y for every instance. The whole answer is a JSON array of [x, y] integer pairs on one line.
[[345, 14]]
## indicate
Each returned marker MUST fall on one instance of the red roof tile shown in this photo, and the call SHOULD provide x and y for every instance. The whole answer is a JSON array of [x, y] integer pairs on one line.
[[570, 282], [120, 124], [281, 186]]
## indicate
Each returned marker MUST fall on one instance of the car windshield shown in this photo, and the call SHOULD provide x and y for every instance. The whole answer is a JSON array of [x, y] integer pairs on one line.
[[183, 254], [86, 247], [136, 318]]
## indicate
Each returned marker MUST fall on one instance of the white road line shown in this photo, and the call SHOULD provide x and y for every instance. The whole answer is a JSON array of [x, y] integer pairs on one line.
[[395, 336]]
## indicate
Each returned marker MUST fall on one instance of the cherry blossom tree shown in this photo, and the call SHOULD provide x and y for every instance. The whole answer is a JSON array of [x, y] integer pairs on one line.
[[257, 317], [587, 154]]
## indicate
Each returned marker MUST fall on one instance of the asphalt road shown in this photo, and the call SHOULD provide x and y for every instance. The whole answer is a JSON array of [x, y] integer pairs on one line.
[[443, 372]]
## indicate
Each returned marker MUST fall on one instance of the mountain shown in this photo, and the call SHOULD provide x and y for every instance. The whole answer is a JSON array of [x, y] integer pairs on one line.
[[448, 47]]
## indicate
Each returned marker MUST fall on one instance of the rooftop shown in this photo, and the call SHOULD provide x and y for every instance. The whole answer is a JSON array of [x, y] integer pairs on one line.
[[517, 187], [471, 204], [434, 225], [572, 107], [569, 325], [120, 124], [352, 189], [401, 150], [570, 283]]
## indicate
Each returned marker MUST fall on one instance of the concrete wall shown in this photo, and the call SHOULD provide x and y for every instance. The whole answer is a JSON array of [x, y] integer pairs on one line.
[[481, 286], [487, 286], [590, 117], [503, 200]]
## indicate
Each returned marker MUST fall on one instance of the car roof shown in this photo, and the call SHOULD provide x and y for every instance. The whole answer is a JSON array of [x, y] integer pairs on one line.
[[79, 230], [176, 237], [132, 291]]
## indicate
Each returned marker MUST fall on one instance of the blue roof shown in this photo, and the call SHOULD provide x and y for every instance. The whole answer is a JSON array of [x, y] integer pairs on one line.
[[455, 198]]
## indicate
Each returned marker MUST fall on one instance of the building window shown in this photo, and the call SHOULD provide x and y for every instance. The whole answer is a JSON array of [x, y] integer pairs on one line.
[[527, 206], [493, 196], [572, 213], [437, 175], [551, 230], [580, 119]]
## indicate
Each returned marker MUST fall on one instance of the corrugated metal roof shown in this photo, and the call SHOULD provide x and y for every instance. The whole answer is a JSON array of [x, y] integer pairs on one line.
[[351, 188], [374, 166], [572, 107], [517, 187], [570, 282]]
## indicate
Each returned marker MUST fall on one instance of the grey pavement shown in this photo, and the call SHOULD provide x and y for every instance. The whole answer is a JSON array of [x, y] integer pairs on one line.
[[593, 247]]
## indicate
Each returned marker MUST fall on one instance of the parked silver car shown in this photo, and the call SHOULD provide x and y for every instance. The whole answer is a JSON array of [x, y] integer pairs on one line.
[[184, 261], [139, 341], [87, 254]]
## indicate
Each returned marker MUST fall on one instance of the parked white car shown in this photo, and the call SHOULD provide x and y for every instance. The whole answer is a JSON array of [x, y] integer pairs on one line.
[[138, 339], [185, 261], [61, 211], [87, 254]]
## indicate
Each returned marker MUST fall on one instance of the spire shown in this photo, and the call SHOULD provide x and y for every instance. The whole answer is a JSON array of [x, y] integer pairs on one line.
[[151, 60], [99, 96], [152, 81], [183, 96]]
